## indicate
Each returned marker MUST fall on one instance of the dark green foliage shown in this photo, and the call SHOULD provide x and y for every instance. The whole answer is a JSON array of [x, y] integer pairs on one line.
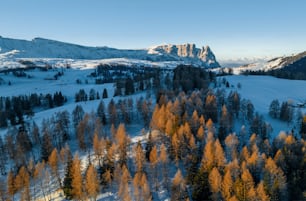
[[59, 99], [234, 103], [149, 147], [104, 95], [286, 112], [200, 187], [260, 127], [81, 96], [77, 115], [101, 112], [189, 78], [61, 129], [3, 119], [274, 109], [129, 86], [295, 169], [46, 146], [49, 100], [67, 183], [112, 112], [211, 107], [24, 140], [92, 94]]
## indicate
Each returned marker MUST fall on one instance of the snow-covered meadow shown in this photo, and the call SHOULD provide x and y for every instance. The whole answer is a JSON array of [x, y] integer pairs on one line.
[[261, 90]]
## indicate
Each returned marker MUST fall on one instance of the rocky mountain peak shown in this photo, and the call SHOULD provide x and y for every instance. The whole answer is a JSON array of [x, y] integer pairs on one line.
[[44, 48], [189, 51]]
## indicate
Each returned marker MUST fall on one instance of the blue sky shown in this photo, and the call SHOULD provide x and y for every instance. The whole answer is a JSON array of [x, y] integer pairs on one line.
[[232, 28]]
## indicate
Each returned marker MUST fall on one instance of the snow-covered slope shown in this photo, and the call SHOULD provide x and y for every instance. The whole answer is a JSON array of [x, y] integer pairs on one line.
[[272, 64], [44, 48], [262, 90]]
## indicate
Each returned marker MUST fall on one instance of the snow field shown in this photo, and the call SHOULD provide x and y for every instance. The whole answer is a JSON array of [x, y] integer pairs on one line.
[[261, 90]]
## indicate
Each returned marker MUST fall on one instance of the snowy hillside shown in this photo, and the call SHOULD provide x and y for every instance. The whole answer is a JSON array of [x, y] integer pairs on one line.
[[11, 50], [262, 90], [263, 64]]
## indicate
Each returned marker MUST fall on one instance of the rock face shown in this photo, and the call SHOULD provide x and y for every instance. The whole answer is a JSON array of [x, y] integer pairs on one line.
[[44, 48], [190, 53]]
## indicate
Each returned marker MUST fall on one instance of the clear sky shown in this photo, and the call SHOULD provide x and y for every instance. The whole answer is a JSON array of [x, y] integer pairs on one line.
[[232, 28]]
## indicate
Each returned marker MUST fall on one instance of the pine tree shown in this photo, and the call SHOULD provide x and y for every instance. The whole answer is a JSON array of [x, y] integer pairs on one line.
[[211, 109], [200, 135], [149, 146], [112, 112], [225, 124], [67, 184], [77, 180], [101, 112], [215, 182], [274, 109], [139, 157], [99, 148], [105, 95], [81, 131], [154, 120], [163, 158], [244, 186], [231, 144], [122, 142], [123, 192], [92, 182], [11, 188], [219, 155], [178, 189], [210, 126], [146, 193], [153, 164], [208, 158], [169, 127], [40, 176], [194, 122], [303, 128], [22, 183], [274, 181], [141, 187], [3, 157], [227, 186], [3, 193], [261, 193], [146, 112], [53, 161], [77, 115], [46, 146]]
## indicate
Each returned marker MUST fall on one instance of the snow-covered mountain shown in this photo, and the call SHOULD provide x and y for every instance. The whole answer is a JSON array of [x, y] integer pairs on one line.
[[188, 52], [44, 48], [285, 62]]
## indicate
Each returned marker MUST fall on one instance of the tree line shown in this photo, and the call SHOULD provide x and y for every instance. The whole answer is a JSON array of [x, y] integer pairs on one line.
[[13, 109]]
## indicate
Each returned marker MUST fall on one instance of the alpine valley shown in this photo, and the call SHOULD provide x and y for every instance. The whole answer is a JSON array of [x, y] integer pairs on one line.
[[166, 123]]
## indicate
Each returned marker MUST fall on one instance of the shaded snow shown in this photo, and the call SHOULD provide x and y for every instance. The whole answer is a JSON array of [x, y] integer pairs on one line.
[[261, 90]]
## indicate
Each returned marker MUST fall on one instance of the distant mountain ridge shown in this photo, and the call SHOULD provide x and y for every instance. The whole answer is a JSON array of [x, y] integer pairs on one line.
[[289, 67], [264, 65], [45, 48]]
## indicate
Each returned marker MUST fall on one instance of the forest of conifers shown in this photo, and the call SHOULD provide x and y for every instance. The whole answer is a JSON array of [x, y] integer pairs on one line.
[[192, 149]]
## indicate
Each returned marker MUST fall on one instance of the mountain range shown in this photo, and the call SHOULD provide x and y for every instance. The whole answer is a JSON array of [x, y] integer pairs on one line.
[[45, 48]]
